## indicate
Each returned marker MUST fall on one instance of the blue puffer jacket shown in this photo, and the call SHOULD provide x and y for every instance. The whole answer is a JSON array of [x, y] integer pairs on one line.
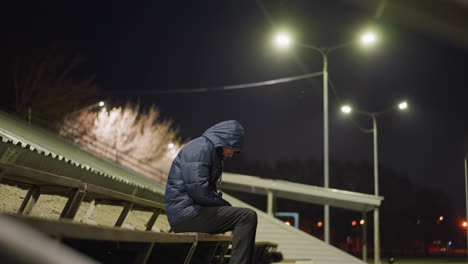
[[196, 169]]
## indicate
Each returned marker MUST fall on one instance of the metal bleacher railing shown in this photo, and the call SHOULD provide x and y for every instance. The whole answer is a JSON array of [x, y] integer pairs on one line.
[[104, 244], [95, 146]]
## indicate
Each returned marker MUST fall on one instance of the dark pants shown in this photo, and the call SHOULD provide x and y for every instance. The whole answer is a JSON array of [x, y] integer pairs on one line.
[[220, 219]]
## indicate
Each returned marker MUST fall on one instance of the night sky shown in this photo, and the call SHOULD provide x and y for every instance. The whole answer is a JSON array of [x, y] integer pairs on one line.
[[168, 45]]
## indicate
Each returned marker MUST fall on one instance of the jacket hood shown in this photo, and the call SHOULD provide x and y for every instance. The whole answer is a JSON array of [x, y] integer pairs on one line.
[[229, 134]]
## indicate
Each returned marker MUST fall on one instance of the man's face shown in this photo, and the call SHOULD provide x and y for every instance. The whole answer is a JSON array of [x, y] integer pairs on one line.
[[228, 153]]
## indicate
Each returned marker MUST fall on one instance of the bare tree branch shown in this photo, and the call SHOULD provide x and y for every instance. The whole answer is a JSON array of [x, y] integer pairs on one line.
[[51, 87], [136, 139]]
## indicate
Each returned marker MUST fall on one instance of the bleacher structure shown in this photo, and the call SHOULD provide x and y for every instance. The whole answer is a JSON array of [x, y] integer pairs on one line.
[[294, 244], [42, 163]]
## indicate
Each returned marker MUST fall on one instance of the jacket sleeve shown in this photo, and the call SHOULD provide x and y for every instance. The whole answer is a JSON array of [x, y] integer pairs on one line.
[[196, 175]]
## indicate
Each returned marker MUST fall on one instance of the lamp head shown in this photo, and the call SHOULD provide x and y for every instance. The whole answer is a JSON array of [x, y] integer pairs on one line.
[[403, 105], [368, 38], [346, 109], [283, 40]]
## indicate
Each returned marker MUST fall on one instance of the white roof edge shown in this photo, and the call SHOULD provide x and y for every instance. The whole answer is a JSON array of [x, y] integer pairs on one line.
[[285, 189]]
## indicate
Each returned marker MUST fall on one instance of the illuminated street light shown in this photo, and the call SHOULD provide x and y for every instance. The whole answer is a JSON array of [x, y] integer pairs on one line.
[[283, 40], [319, 224], [353, 223], [464, 224], [87, 108], [368, 38], [362, 222], [170, 145], [346, 109], [403, 105], [441, 218], [287, 223]]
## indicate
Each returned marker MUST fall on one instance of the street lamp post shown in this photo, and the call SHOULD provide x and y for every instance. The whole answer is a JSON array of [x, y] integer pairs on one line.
[[466, 196], [376, 153], [376, 191], [326, 162], [347, 109], [284, 40]]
